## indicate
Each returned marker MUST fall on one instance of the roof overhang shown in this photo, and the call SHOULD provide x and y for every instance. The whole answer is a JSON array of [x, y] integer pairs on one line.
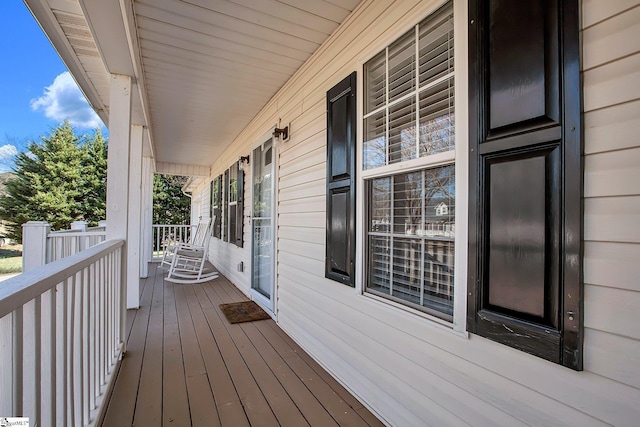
[[201, 69]]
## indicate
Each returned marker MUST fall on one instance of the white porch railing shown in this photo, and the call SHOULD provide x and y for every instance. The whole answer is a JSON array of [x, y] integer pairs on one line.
[[164, 235], [42, 246], [61, 335], [61, 244]]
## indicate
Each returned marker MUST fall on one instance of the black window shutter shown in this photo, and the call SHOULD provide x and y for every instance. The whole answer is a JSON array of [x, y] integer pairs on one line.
[[240, 209], [525, 231], [341, 174]]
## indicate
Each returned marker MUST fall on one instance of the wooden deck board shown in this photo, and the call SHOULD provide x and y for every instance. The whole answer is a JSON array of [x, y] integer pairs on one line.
[[319, 370], [222, 384], [307, 403], [256, 407], [120, 410], [228, 405], [175, 403], [201, 404], [193, 364], [285, 410], [148, 410], [187, 366], [334, 403]]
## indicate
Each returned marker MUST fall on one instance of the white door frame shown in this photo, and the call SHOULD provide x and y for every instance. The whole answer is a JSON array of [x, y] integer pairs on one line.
[[269, 305]]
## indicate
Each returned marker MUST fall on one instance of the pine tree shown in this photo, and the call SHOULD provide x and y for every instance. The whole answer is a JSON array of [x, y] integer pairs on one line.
[[59, 180], [170, 205], [94, 178], [64, 179]]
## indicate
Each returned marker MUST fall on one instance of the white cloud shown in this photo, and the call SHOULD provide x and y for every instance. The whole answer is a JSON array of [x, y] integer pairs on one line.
[[7, 152], [63, 100]]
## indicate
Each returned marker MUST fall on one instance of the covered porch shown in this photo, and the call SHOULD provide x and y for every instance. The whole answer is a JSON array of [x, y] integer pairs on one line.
[[187, 365], [209, 89]]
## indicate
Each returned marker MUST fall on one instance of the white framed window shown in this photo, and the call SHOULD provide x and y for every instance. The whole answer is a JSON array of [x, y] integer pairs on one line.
[[227, 205], [409, 167], [215, 209], [233, 203]]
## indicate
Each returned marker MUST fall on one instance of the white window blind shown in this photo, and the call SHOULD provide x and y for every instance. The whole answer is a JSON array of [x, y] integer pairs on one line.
[[409, 114], [410, 238], [409, 111]]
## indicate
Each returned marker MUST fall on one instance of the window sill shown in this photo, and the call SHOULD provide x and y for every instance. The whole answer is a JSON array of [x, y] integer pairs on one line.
[[427, 319]]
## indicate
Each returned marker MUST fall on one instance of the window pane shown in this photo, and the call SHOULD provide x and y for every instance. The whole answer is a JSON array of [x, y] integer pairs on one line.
[[439, 200], [232, 222], [379, 264], [437, 122], [233, 184], [216, 192], [375, 141], [438, 276], [268, 156], [261, 160], [412, 261], [402, 66], [407, 203], [407, 254], [434, 133], [436, 45], [375, 82], [380, 205], [402, 131]]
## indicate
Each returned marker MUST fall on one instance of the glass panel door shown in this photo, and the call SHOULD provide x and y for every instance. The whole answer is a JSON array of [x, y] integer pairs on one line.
[[262, 223]]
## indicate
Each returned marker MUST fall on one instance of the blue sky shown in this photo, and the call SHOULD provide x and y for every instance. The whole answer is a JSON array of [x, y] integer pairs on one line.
[[37, 91]]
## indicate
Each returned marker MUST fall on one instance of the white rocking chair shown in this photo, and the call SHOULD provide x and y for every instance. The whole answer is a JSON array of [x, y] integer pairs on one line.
[[196, 239], [188, 262]]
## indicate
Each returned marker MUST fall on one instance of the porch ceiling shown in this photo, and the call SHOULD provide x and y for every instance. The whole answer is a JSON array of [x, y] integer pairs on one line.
[[202, 68]]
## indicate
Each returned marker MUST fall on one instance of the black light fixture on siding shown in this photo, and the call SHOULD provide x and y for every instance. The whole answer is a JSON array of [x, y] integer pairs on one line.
[[281, 133], [244, 161]]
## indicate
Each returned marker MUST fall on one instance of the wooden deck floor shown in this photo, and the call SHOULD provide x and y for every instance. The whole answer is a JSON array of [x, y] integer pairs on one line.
[[187, 366]]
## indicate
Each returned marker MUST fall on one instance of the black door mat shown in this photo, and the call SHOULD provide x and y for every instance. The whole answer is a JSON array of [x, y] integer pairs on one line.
[[246, 311]]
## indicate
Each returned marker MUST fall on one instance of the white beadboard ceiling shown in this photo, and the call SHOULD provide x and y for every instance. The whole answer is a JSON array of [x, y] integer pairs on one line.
[[202, 69]]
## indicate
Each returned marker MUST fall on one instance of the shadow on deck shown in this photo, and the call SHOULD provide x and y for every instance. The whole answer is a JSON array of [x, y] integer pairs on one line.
[[187, 366]]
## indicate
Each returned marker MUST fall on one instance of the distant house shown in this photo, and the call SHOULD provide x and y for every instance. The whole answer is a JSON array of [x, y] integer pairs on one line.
[[442, 209]]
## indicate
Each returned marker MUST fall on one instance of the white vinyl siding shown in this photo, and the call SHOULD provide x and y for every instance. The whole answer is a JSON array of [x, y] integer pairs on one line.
[[408, 369], [611, 72]]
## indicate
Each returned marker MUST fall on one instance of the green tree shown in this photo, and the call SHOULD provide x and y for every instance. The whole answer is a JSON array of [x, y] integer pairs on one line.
[[58, 180], [94, 178], [63, 179], [170, 204]]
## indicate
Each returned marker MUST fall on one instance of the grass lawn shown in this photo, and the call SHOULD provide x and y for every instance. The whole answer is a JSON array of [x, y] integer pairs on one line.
[[11, 259]]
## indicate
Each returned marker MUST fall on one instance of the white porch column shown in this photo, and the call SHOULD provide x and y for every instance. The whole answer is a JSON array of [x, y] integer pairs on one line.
[[146, 238], [118, 174], [196, 213], [135, 210]]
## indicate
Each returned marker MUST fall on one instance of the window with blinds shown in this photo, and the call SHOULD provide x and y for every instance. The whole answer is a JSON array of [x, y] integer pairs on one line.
[[408, 108], [233, 202], [216, 202], [409, 114]]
